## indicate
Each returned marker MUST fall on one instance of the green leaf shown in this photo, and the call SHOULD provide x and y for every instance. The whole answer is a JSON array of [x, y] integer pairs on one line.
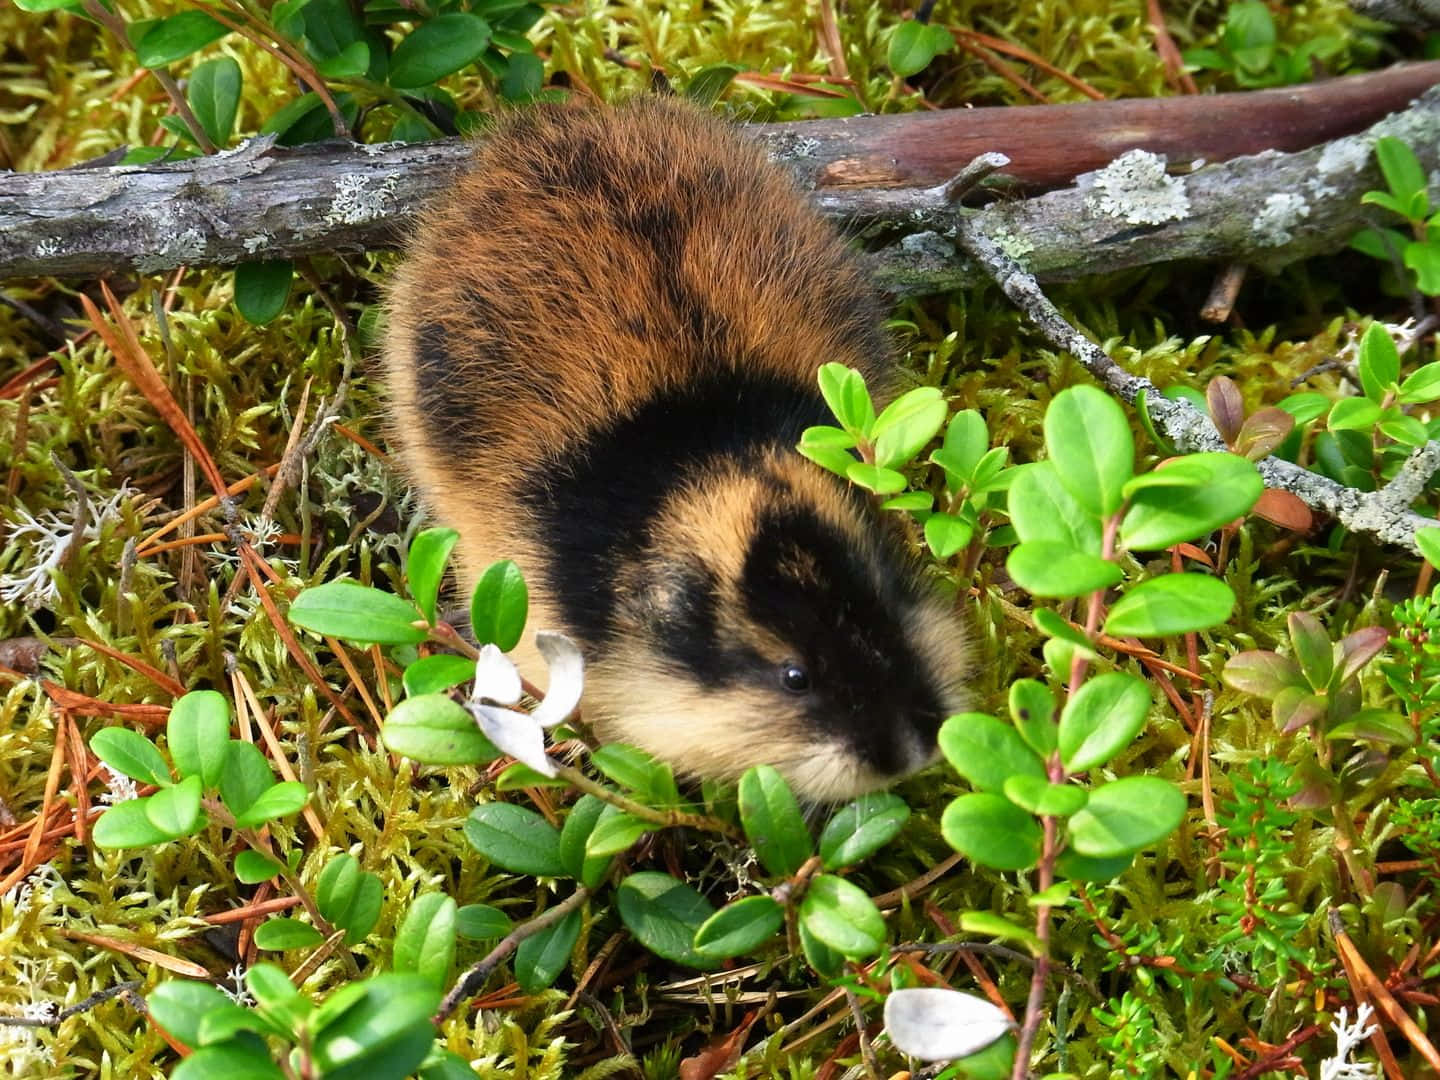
[[277, 935], [432, 674], [276, 995], [1313, 649], [906, 425], [1032, 707], [277, 801], [966, 441], [1042, 510], [844, 391], [739, 928], [1044, 799], [772, 821], [1424, 259], [515, 839], [1402, 169], [1422, 385], [351, 62], [214, 96], [914, 44], [126, 825], [707, 84], [500, 605], [434, 729], [481, 922], [992, 831], [914, 501], [349, 897], [1262, 673], [175, 810], [1127, 815], [664, 915], [1353, 414], [261, 289], [355, 612], [251, 867], [1101, 719], [1045, 568], [429, 552], [945, 534], [517, 776], [987, 751], [1088, 439], [179, 1005], [331, 26], [1379, 362], [842, 917], [234, 1060], [1224, 487], [874, 478], [826, 962], [130, 753], [988, 922], [540, 959], [245, 776], [614, 832], [387, 1032], [1305, 407], [198, 735], [634, 769], [524, 77], [1428, 541], [579, 824], [177, 36], [1376, 725], [438, 47], [1171, 604], [1077, 867], [861, 828], [425, 939]]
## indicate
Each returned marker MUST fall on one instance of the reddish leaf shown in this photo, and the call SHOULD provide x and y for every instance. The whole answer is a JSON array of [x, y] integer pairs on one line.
[[1264, 674], [1283, 509], [1359, 648], [1227, 408], [720, 1055], [1262, 432]]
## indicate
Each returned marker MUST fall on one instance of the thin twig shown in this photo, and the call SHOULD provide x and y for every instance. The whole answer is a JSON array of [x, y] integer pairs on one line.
[[97, 998]]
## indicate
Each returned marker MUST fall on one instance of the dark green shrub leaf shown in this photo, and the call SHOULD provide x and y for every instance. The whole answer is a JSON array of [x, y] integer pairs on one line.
[[1042, 510], [433, 729], [1045, 568], [277, 801], [277, 935], [1044, 799], [126, 825], [130, 753], [1428, 541], [481, 922], [425, 940], [992, 831], [615, 831], [355, 612], [772, 820], [1353, 414], [431, 675], [233, 1060], [518, 776], [739, 928], [574, 834], [351, 62], [912, 501], [438, 47], [524, 77], [966, 441], [1032, 707], [541, 958], [177, 36], [1224, 487], [252, 868], [500, 606], [826, 961], [1127, 815], [1101, 718], [179, 1005], [707, 84], [634, 769], [1171, 604], [261, 289], [1402, 169], [914, 45], [387, 1032], [429, 552], [245, 776], [1088, 439], [214, 96], [515, 839], [987, 751], [842, 917], [198, 735], [175, 810], [844, 391], [861, 828], [664, 915], [349, 897]]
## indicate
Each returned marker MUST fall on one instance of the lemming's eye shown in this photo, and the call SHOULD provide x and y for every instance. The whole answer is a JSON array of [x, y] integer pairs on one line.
[[794, 677]]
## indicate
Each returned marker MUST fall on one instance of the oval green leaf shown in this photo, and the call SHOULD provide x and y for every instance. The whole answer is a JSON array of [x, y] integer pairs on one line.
[[1127, 815], [861, 828], [126, 825], [906, 425], [739, 928], [277, 801], [130, 753], [1044, 568], [175, 810], [500, 604], [176, 37], [1044, 799], [355, 612], [541, 958], [664, 915], [429, 552], [515, 839], [198, 735], [425, 940], [436, 730], [214, 96], [1171, 604], [987, 751], [481, 922], [1088, 439], [280, 934], [438, 47], [1101, 719], [261, 289], [842, 917], [772, 821], [992, 831], [1042, 510], [1225, 487], [432, 674]]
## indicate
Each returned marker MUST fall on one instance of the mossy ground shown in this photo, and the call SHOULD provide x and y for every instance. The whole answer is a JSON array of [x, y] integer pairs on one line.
[[69, 92]]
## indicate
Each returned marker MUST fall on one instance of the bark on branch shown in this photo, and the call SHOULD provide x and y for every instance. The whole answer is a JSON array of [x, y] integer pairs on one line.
[[265, 202]]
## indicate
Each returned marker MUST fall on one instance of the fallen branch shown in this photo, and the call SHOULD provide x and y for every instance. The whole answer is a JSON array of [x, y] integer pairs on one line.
[[264, 202], [1384, 514]]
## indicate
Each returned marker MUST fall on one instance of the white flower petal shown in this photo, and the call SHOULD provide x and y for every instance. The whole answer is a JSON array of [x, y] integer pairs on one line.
[[935, 1024], [516, 734], [495, 678], [567, 678]]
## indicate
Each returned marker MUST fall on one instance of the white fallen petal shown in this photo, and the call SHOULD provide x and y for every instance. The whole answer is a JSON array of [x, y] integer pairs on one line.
[[935, 1024], [567, 678], [495, 678], [516, 734]]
